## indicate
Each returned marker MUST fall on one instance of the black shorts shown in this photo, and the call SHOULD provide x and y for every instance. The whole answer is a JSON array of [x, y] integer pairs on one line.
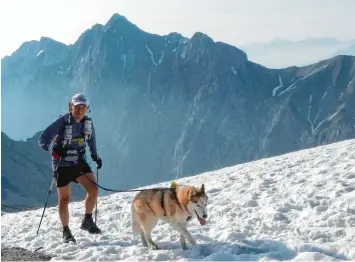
[[67, 174]]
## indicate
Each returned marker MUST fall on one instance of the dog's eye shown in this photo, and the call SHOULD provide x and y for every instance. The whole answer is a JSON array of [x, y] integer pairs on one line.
[[205, 205], [198, 205]]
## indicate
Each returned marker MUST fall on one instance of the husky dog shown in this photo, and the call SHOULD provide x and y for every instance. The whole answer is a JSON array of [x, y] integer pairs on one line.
[[176, 205]]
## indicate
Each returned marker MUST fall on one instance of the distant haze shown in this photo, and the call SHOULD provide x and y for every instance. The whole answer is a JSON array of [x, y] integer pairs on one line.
[[235, 22], [284, 53]]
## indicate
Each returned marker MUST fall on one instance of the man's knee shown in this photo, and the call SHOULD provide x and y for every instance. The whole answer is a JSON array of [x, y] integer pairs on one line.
[[94, 192], [64, 200]]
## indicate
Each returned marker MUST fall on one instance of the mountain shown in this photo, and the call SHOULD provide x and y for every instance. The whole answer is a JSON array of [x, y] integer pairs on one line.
[[26, 175], [169, 106], [281, 53], [295, 207]]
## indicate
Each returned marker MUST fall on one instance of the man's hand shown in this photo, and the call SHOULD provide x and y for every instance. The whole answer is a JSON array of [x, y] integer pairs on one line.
[[98, 161], [58, 151]]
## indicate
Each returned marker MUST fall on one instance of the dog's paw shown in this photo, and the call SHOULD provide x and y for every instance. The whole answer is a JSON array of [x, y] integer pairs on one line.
[[193, 242], [183, 246], [154, 247]]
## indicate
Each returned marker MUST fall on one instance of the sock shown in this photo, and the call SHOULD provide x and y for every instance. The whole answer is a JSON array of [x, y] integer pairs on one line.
[[65, 228], [88, 215]]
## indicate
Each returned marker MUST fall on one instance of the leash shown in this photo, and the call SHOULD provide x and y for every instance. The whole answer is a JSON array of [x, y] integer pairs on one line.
[[126, 190]]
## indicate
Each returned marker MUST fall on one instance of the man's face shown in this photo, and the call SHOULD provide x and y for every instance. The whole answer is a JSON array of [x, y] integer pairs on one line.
[[79, 111]]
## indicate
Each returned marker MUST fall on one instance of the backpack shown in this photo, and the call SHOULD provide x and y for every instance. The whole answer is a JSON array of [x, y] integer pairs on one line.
[[87, 132]]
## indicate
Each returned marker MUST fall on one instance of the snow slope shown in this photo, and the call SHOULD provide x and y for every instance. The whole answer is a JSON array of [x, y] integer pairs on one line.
[[298, 206]]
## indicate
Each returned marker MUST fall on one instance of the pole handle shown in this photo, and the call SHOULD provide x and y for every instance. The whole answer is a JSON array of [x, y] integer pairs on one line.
[[97, 180]]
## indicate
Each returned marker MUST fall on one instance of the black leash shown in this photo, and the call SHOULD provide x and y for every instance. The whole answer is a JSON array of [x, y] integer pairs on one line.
[[162, 201], [126, 190]]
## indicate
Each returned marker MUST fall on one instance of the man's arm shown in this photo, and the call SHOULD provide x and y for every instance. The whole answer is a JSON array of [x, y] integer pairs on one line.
[[92, 142], [45, 139], [92, 146]]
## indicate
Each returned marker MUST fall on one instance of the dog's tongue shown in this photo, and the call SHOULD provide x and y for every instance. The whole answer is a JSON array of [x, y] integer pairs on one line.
[[202, 221]]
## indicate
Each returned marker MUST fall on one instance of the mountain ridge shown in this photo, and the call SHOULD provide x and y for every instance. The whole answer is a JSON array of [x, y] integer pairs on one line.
[[169, 106]]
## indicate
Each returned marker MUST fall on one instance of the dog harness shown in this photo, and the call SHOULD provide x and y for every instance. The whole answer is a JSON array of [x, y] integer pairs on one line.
[[162, 200]]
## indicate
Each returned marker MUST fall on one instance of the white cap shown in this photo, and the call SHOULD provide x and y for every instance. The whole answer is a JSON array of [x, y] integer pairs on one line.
[[79, 99]]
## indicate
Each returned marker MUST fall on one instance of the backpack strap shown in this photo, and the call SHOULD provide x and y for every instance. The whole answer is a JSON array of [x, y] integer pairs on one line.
[[68, 132]]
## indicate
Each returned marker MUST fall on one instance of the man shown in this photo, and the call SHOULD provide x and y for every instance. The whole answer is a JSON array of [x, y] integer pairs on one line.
[[66, 138]]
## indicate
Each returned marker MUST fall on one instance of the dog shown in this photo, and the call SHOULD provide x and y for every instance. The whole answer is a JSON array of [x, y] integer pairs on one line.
[[176, 205]]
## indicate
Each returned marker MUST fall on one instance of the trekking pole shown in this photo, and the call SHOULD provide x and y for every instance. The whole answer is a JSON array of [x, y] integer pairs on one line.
[[97, 180], [45, 205]]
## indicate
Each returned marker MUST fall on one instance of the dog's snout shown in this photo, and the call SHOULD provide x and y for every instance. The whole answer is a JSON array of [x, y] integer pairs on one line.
[[204, 216]]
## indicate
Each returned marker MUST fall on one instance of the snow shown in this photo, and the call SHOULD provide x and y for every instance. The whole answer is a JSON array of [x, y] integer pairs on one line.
[[40, 52], [124, 59], [151, 55], [294, 85], [148, 83], [291, 87], [314, 71], [329, 118], [161, 57], [233, 70], [274, 121], [309, 108], [326, 92], [278, 87], [298, 206]]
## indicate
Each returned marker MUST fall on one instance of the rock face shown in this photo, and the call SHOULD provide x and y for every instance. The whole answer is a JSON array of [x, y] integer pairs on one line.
[[169, 106], [26, 175]]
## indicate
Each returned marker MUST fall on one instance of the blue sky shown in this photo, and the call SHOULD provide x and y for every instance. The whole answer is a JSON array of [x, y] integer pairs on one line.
[[236, 22]]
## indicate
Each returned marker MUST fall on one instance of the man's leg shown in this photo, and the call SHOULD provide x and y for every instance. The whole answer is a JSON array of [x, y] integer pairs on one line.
[[90, 201], [63, 203], [91, 189]]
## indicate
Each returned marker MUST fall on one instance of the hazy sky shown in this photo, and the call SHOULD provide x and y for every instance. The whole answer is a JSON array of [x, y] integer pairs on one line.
[[236, 22]]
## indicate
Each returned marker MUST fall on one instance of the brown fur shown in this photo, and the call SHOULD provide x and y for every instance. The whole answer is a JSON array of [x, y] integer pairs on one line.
[[147, 210]]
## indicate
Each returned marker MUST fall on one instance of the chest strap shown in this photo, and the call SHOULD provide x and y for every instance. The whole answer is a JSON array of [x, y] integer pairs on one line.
[[68, 129], [162, 200]]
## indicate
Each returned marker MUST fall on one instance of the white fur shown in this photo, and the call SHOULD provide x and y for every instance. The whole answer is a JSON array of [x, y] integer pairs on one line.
[[200, 207]]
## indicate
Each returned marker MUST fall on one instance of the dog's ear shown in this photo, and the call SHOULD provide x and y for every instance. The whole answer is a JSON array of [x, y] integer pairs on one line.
[[192, 192], [202, 189]]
